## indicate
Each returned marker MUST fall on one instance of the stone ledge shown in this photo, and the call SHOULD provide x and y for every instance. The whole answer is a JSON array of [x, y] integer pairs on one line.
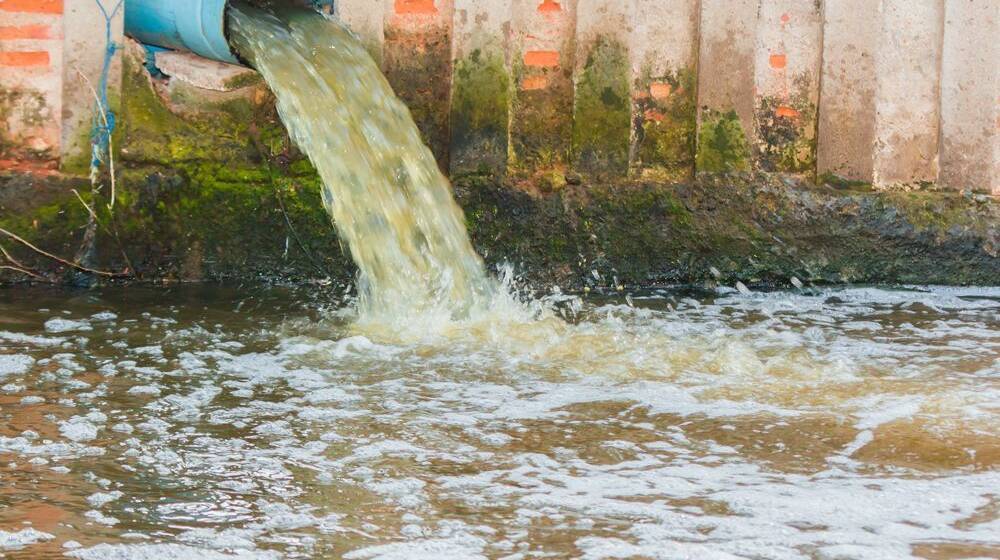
[[205, 73]]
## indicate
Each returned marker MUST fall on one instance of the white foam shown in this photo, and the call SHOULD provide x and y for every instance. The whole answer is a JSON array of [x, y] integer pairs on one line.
[[60, 325], [78, 429], [15, 364], [163, 552], [22, 538]]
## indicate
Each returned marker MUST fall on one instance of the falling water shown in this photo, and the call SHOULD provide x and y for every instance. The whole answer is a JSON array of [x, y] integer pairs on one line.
[[382, 186]]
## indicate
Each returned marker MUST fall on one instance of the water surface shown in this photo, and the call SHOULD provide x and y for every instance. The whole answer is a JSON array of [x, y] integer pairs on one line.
[[210, 423]]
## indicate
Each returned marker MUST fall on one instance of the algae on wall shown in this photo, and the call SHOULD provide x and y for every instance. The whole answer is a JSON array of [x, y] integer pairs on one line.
[[213, 192], [786, 131], [665, 125], [602, 110], [722, 143], [417, 62], [479, 112]]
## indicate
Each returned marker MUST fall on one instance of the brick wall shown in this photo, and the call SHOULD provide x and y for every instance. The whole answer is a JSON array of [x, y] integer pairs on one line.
[[31, 59]]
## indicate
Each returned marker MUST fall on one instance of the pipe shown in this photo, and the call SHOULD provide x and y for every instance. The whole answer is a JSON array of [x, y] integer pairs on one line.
[[190, 25]]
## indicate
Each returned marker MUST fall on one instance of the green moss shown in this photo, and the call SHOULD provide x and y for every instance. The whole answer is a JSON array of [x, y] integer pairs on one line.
[[602, 110], [665, 135], [479, 114], [786, 131], [838, 182], [244, 80], [542, 120], [417, 64], [722, 144]]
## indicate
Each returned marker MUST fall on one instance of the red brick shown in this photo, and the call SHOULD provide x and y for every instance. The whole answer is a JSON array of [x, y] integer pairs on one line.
[[420, 7], [26, 58], [541, 58], [549, 6], [25, 32], [34, 6]]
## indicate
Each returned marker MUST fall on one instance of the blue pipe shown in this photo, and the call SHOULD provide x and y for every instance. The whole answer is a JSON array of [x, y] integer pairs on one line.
[[190, 25]]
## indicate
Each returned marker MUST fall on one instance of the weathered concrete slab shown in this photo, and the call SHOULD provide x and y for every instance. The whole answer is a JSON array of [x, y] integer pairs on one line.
[[847, 106], [907, 108], [481, 88], [367, 20], [787, 72], [663, 53], [31, 89], [85, 46], [204, 73], [726, 85], [970, 96]]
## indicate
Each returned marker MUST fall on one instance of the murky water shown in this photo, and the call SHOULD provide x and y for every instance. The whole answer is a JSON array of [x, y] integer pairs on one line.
[[202, 423], [382, 186]]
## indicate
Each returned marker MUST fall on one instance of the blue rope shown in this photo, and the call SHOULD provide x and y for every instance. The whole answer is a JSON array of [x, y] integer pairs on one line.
[[100, 134]]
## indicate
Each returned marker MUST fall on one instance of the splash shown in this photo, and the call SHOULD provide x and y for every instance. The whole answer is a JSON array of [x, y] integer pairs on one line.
[[382, 186]]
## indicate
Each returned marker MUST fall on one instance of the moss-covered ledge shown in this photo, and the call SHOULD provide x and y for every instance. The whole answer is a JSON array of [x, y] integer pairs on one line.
[[760, 230], [209, 221]]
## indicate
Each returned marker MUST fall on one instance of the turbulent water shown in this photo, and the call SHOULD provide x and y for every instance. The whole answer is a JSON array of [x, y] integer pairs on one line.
[[382, 186], [203, 424]]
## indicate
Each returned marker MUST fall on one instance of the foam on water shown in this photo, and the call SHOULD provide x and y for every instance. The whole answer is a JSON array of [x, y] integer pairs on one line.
[[838, 424]]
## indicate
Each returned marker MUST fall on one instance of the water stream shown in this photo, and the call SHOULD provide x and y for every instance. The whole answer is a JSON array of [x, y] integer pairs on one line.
[[382, 186]]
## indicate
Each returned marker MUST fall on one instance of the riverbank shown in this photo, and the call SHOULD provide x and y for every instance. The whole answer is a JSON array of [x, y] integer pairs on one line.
[[207, 221]]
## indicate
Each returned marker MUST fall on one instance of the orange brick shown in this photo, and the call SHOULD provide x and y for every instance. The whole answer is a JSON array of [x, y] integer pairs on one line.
[[420, 7], [660, 90], [549, 6], [534, 82], [545, 59], [778, 61], [786, 112], [27, 58], [25, 32], [34, 6]]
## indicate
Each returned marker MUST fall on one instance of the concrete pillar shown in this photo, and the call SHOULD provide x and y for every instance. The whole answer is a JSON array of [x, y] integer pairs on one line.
[[970, 96], [368, 23], [908, 81], [31, 57], [663, 53], [846, 138], [787, 71], [417, 63], [543, 63], [480, 98], [726, 84], [85, 46], [602, 110]]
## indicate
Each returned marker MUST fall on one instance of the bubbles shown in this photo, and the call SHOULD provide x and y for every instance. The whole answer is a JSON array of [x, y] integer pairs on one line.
[[781, 425]]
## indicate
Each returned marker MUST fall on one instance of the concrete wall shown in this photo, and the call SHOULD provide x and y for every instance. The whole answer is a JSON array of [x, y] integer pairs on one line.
[[886, 92], [970, 95], [846, 143]]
